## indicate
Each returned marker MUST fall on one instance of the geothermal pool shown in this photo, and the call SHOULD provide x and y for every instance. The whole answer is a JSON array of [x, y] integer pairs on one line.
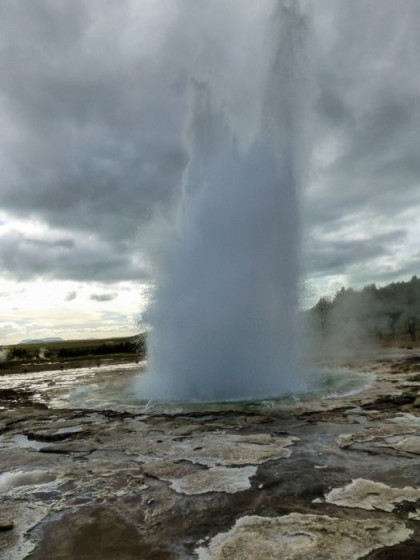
[[116, 387]]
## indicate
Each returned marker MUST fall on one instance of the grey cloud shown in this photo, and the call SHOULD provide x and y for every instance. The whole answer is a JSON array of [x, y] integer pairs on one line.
[[368, 117], [333, 256], [369, 80], [343, 199], [8, 328], [90, 260], [94, 110], [103, 297], [46, 243], [71, 296], [410, 269], [93, 142]]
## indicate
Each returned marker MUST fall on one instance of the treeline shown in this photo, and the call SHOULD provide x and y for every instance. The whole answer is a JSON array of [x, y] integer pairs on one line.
[[127, 347], [70, 350], [371, 313]]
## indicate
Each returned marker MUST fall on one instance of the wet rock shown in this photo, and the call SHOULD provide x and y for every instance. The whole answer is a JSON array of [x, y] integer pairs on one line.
[[298, 478], [408, 550], [10, 398], [96, 532], [71, 447], [336, 414], [51, 435], [390, 402]]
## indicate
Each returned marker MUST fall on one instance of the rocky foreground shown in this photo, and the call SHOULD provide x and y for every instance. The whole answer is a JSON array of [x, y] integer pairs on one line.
[[332, 479]]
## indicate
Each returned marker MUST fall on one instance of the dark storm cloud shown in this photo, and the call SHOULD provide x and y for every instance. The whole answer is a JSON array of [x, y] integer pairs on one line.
[[367, 135], [92, 106], [91, 135]]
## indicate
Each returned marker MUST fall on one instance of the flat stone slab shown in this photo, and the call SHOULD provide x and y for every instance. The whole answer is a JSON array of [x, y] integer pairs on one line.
[[216, 448], [415, 515], [409, 444], [302, 537], [215, 479], [369, 495]]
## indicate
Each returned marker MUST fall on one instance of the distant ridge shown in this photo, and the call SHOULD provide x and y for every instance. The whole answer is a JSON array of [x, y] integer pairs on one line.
[[40, 340]]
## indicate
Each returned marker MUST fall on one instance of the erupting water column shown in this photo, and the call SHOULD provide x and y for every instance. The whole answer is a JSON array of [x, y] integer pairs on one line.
[[225, 306]]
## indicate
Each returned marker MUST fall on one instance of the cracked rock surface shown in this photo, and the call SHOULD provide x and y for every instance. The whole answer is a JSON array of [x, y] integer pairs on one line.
[[330, 478]]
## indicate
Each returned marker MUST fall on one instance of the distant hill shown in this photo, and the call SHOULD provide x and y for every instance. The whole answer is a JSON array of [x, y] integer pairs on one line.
[[41, 340]]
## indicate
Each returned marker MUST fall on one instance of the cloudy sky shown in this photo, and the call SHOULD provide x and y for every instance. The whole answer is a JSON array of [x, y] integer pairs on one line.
[[92, 110]]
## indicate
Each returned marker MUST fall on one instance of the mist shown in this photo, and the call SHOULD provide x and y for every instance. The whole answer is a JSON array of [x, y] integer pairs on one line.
[[358, 320]]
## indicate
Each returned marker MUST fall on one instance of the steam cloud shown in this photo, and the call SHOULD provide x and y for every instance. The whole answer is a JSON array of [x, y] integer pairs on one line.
[[224, 314]]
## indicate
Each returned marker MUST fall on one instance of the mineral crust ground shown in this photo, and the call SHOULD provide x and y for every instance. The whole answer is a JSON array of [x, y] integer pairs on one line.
[[333, 478]]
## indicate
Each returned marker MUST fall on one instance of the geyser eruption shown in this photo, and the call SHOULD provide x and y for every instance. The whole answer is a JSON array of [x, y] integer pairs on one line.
[[224, 315]]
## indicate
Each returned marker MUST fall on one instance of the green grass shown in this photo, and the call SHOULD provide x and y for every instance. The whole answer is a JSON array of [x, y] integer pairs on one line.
[[72, 350]]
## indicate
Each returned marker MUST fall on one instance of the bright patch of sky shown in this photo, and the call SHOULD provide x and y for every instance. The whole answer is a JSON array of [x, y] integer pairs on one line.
[[70, 310]]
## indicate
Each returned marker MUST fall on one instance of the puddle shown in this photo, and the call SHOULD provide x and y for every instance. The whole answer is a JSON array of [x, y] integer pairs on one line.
[[22, 441]]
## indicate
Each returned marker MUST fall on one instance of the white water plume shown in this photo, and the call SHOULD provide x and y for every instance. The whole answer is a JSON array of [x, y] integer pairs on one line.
[[224, 315]]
